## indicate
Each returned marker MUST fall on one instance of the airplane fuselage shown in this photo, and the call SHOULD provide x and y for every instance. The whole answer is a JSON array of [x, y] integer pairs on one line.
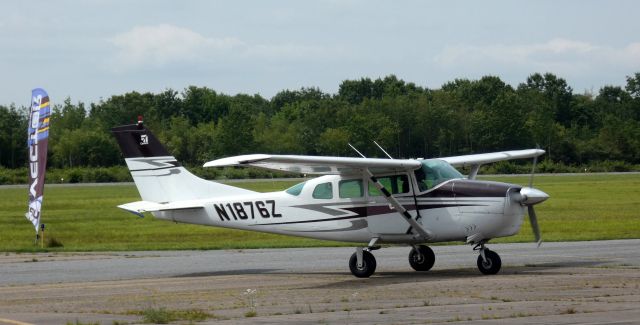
[[362, 200], [345, 208]]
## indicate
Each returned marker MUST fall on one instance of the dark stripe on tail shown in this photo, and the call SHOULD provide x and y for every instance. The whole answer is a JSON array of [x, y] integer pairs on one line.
[[136, 141]]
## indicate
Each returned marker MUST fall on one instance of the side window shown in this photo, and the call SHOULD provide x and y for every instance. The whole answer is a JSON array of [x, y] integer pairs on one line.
[[351, 189], [323, 191], [395, 184]]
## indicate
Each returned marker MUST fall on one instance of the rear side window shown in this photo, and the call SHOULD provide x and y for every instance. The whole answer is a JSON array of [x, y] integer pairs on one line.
[[395, 184], [351, 189], [323, 191]]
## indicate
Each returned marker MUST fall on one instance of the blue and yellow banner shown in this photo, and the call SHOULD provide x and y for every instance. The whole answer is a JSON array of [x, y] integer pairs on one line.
[[37, 142]]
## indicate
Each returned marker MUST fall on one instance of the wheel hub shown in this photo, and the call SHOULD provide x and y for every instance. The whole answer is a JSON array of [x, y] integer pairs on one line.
[[418, 258], [487, 263]]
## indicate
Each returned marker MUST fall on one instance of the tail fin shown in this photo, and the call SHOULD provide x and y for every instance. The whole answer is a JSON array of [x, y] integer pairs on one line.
[[158, 176]]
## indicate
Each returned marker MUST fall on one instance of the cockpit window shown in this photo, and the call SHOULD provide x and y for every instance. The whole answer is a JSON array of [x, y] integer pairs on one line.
[[434, 172], [395, 184], [295, 189]]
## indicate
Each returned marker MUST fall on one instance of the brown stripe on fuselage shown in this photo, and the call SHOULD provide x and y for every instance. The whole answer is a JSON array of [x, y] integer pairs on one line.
[[471, 188]]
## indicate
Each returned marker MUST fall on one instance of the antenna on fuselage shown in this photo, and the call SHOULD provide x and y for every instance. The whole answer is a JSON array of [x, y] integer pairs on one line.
[[385, 152], [356, 150]]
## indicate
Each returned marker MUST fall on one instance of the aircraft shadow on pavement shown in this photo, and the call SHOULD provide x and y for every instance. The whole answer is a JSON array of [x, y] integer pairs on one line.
[[386, 278], [565, 264], [383, 277]]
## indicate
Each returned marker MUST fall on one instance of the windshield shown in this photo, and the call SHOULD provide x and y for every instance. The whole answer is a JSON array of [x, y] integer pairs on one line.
[[295, 189], [434, 172]]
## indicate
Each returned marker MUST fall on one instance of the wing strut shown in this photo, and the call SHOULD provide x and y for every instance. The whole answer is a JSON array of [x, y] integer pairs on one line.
[[421, 232], [474, 171]]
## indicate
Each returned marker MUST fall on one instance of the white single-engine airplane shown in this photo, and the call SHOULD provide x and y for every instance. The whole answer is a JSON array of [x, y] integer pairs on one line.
[[363, 200]]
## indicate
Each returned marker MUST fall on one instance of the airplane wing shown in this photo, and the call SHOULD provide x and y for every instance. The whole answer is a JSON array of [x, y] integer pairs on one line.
[[139, 207], [322, 165], [486, 158], [325, 165]]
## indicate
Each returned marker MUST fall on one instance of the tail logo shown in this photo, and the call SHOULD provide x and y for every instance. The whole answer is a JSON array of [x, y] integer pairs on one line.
[[144, 140]]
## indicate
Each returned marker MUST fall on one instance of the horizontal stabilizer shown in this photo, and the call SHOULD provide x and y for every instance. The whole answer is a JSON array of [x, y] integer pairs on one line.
[[139, 207]]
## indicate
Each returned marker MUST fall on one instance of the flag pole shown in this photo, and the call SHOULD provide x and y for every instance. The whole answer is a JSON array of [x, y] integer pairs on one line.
[[42, 238]]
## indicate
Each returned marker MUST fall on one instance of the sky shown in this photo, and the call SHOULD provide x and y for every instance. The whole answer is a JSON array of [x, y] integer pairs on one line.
[[90, 50]]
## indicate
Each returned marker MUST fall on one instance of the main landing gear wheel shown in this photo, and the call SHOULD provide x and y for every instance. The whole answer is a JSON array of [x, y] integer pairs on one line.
[[421, 258], [490, 264], [368, 265]]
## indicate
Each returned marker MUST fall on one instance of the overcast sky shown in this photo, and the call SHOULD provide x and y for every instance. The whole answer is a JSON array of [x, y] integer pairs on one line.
[[89, 50]]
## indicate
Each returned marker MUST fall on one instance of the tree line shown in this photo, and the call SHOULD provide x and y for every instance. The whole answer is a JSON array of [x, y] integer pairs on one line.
[[463, 116]]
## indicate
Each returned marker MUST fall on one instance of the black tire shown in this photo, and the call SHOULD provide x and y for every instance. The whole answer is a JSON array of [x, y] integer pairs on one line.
[[492, 265], [368, 265], [422, 259]]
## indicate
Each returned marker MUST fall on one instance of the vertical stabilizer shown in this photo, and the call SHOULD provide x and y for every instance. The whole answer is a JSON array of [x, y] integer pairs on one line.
[[158, 176]]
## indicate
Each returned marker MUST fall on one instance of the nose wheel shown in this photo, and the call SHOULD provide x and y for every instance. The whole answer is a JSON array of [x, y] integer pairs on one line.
[[365, 267], [489, 262]]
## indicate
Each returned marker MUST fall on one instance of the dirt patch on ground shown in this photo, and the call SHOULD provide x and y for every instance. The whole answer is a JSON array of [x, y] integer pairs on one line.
[[544, 294]]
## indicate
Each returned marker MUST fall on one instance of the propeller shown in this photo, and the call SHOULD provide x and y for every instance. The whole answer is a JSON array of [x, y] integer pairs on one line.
[[530, 196], [533, 219]]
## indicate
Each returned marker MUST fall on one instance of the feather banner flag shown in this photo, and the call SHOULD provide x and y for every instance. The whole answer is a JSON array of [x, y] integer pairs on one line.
[[37, 141]]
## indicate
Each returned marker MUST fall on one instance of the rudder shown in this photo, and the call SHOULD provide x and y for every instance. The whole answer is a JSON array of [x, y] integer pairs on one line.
[[158, 176]]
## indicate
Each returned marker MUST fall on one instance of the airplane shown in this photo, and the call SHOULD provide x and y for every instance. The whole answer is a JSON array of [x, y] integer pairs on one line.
[[369, 201]]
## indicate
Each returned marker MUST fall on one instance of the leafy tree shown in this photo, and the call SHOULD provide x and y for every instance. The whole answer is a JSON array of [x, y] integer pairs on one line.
[[13, 137], [287, 97], [499, 126], [633, 85], [234, 135], [202, 104], [557, 92], [68, 116], [332, 142], [464, 116], [84, 147]]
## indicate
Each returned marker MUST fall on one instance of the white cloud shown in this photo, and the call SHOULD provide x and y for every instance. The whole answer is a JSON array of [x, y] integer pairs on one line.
[[162, 45], [165, 44], [558, 55]]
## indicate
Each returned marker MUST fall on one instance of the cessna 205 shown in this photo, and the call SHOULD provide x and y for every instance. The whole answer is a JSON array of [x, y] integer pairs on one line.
[[361, 200]]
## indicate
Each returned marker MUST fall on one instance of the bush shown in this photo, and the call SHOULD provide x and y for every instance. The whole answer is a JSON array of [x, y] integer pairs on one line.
[[5, 177], [611, 166], [158, 316], [74, 176], [53, 242], [13, 176]]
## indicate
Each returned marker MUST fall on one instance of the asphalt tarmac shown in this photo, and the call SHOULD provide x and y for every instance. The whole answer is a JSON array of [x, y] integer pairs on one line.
[[31, 285], [45, 268]]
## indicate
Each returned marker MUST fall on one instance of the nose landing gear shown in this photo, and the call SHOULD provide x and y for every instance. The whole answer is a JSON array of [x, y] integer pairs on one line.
[[362, 263], [489, 262]]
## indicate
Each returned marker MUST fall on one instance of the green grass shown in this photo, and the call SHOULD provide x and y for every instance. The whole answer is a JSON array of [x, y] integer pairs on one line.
[[586, 207], [87, 219]]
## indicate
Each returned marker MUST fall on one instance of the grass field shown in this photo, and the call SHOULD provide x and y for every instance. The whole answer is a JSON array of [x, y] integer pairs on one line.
[[85, 218]]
